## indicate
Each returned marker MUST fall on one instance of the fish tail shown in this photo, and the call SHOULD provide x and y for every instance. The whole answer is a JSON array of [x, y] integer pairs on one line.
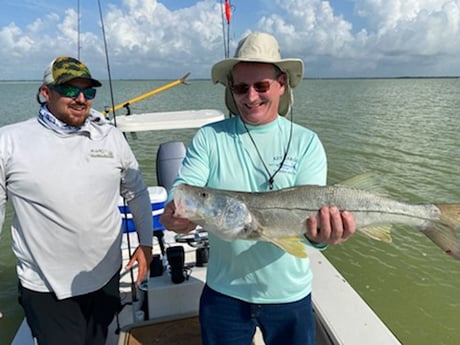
[[450, 215], [445, 233]]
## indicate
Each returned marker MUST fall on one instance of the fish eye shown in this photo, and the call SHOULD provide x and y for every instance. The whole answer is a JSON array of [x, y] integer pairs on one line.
[[203, 195]]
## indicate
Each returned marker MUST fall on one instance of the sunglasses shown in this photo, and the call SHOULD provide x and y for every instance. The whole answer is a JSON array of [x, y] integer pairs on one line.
[[260, 86], [73, 91]]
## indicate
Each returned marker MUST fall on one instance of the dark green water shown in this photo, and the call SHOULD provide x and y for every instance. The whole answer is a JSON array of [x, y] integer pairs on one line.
[[403, 130]]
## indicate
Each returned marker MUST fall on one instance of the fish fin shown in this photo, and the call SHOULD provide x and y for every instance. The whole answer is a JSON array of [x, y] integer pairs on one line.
[[293, 245], [366, 181], [378, 232], [361, 181]]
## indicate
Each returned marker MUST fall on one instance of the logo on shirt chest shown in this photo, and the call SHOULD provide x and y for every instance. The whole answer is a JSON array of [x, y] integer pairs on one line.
[[100, 153], [289, 164]]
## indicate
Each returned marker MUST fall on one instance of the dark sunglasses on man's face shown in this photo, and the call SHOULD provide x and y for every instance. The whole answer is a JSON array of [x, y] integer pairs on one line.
[[73, 91], [260, 86]]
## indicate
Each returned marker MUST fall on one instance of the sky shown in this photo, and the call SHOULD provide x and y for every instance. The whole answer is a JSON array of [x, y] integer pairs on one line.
[[164, 39]]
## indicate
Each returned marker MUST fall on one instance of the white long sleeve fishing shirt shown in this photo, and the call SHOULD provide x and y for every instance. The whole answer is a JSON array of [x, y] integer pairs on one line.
[[65, 189]]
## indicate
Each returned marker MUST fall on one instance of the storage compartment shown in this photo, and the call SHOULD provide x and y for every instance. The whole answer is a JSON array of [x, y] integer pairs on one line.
[[166, 299]]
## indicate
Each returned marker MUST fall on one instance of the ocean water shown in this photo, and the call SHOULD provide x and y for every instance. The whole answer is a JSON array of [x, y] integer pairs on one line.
[[405, 131]]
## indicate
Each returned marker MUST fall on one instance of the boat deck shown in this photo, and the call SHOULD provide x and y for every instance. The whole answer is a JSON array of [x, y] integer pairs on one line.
[[343, 317], [185, 331]]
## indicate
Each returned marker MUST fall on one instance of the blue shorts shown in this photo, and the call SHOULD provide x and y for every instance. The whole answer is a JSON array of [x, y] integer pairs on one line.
[[227, 321]]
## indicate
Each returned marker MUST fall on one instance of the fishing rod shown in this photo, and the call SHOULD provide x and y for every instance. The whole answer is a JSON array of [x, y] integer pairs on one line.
[[107, 61], [227, 9], [126, 104], [78, 30], [227, 13], [131, 271]]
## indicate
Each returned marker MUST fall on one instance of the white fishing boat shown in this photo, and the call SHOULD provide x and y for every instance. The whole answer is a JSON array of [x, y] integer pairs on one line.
[[342, 315], [163, 312]]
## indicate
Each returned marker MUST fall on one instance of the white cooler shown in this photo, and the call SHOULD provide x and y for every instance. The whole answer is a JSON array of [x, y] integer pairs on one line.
[[158, 196]]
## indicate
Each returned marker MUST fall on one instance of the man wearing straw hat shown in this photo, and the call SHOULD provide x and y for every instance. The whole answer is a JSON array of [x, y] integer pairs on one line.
[[252, 283]]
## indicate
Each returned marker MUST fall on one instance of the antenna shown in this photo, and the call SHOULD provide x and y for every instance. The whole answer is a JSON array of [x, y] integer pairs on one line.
[[107, 61], [78, 30], [133, 284]]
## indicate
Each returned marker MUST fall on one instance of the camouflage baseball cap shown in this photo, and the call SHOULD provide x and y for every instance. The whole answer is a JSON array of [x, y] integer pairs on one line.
[[65, 68]]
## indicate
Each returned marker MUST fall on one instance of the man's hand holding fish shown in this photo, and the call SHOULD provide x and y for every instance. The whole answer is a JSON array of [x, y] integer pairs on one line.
[[335, 228], [176, 224]]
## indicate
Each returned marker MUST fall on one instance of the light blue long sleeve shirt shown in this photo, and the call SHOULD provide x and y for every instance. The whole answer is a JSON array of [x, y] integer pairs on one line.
[[222, 155]]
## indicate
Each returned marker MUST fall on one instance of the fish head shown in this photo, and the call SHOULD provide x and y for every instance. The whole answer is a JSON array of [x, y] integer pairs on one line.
[[215, 211]]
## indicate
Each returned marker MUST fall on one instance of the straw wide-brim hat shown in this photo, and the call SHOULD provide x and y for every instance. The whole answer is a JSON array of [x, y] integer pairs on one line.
[[262, 48]]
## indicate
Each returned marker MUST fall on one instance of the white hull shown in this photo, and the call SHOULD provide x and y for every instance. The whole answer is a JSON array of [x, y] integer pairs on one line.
[[167, 120]]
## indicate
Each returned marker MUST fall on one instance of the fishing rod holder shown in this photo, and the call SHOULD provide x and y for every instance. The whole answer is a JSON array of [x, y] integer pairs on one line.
[[199, 240]]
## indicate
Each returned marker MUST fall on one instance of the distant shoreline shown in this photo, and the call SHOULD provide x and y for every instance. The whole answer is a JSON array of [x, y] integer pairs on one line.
[[401, 77], [306, 78]]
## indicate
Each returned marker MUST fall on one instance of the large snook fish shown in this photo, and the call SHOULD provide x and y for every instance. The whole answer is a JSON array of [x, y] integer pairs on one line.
[[280, 216]]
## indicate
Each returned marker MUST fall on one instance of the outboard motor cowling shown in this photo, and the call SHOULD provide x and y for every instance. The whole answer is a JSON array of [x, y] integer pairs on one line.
[[169, 159]]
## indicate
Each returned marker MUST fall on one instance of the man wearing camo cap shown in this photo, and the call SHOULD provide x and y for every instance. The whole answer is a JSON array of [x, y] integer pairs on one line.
[[64, 172]]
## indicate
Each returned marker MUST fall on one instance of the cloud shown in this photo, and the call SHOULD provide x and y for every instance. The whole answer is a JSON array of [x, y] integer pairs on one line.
[[309, 26], [23, 48], [420, 33], [147, 31], [146, 39], [404, 37]]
